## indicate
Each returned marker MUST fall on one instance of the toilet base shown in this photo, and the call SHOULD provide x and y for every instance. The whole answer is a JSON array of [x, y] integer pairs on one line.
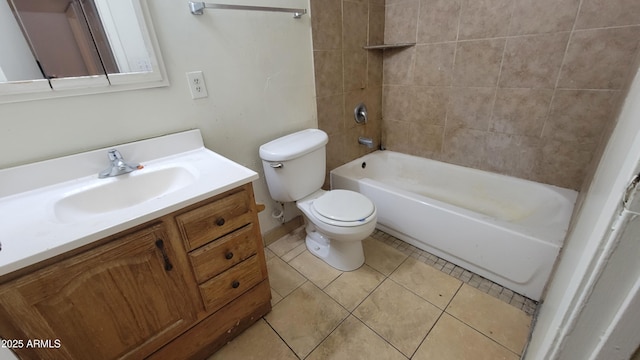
[[342, 255]]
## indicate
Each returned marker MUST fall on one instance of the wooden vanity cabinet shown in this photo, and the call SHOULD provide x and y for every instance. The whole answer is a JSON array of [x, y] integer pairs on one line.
[[179, 287]]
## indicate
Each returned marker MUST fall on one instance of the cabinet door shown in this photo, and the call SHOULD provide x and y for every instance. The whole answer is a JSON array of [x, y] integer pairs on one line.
[[120, 300]]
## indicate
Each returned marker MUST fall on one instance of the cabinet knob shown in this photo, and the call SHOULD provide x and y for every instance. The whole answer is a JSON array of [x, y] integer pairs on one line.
[[220, 222], [235, 284], [229, 255]]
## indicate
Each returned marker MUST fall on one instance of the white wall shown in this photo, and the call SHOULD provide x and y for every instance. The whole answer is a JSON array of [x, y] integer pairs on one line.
[[258, 69], [578, 268]]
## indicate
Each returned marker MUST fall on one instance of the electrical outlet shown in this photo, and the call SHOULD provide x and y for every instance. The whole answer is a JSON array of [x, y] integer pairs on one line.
[[196, 85]]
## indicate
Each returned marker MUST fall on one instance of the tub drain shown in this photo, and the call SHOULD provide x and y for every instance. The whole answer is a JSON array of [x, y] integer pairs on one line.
[[364, 164]]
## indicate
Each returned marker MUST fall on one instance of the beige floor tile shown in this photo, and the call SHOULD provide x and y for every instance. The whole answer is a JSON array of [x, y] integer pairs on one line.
[[398, 315], [295, 252], [427, 282], [288, 242], [350, 288], [305, 317], [452, 339], [354, 341], [275, 298], [282, 277], [314, 269], [500, 321], [381, 257], [256, 343], [268, 254]]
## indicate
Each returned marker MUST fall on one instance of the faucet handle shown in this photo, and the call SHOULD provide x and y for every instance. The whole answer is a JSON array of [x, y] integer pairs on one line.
[[114, 154]]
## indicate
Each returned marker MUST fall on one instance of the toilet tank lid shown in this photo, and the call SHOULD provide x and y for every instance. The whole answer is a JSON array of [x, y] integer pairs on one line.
[[293, 145]]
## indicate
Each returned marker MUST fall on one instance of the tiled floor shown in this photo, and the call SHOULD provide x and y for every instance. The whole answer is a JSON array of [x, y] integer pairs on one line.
[[402, 304]]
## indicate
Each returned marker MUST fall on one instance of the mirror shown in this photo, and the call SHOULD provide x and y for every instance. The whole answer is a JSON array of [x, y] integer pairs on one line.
[[52, 45]]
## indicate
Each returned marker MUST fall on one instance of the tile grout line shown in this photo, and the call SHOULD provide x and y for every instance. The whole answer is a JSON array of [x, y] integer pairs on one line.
[[527, 305]]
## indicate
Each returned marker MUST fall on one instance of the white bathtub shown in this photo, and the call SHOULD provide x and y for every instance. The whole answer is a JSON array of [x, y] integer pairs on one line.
[[506, 229]]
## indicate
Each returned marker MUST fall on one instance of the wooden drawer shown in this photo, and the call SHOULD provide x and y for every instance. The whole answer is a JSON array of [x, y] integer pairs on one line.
[[230, 284], [217, 256], [211, 221]]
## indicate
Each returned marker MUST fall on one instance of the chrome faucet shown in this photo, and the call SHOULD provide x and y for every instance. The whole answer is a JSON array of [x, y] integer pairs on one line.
[[368, 142], [118, 165]]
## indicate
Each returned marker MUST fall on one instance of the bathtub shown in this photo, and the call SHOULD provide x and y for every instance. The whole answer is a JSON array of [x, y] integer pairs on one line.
[[505, 229]]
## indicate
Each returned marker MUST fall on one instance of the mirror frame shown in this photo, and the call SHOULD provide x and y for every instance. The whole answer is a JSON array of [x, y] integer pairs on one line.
[[40, 89]]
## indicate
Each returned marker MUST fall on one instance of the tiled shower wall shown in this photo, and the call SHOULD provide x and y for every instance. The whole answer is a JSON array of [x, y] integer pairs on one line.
[[520, 87], [346, 74]]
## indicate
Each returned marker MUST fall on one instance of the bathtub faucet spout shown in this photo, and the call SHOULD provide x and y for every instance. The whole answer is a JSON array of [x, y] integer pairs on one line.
[[366, 141]]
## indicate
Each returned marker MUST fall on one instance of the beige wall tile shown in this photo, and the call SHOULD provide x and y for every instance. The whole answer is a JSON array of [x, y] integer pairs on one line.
[[599, 59], [398, 66], [603, 13], [326, 24], [395, 135], [533, 61], [452, 339], [565, 163], [520, 111], [580, 115], [254, 343], [399, 316], [305, 317], [401, 21], [438, 20], [482, 19], [376, 24], [330, 113], [396, 103], [328, 72], [425, 139], [543, 16], [354, 340], [336, 155], [513, 155], [355, 18], [464, 147], [374, 68], [432, 285], [314, 269], [350, 288], [478, 62], [355, 69], [470, 108], [428, 105], [434, 64], [479, 310]]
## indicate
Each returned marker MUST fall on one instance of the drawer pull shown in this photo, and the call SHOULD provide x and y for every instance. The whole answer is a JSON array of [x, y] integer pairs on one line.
[[229, 255], [220, 222], [235, 284]]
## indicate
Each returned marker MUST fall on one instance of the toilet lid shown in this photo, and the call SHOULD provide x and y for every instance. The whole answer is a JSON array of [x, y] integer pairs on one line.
[[343, 205]]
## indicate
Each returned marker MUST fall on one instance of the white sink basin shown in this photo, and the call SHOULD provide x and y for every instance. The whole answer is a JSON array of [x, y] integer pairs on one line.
[[121, 192], [58, 205]]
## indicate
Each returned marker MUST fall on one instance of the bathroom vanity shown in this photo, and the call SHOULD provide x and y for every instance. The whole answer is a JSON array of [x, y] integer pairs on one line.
[[176, 284]]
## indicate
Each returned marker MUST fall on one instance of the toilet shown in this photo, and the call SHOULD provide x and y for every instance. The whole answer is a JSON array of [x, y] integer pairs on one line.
[[336, 221]]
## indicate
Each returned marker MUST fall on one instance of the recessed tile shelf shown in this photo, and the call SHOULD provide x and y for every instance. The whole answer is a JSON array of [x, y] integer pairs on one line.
[[388, 46]]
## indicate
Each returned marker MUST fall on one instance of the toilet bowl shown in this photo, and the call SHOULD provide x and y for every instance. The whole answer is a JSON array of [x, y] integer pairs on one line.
[[336, 221]]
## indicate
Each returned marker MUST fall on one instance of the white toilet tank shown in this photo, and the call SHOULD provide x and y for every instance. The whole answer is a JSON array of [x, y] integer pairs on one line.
[[294, 165]]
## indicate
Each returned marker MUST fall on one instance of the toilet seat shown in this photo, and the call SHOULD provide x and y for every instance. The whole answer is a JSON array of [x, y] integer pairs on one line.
[[342, 208]]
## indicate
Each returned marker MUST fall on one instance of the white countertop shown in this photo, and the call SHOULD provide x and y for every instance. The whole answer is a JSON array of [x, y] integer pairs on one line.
[[31, 231]]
